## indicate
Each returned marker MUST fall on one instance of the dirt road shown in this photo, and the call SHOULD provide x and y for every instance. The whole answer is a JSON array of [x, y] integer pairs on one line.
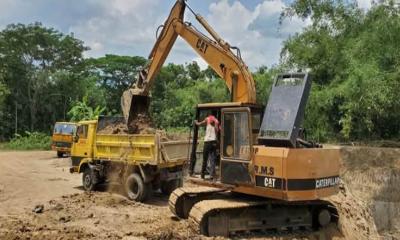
[[29, 178], [36, 178], [368, 203]]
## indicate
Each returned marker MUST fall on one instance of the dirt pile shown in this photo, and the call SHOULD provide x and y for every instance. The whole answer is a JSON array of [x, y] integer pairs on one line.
[[141, 123], [95, 216], [368, 203], [101, 215], [115, 128], [369, 200]]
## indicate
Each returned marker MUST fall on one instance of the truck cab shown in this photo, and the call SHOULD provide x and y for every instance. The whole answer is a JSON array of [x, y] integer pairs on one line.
[[62, 137], [83, 141]]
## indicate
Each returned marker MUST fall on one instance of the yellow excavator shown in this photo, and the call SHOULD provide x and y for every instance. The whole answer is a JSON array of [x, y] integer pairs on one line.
[[270, 177]]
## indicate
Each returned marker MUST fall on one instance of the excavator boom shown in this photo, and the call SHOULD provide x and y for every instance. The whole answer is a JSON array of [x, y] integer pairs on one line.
[[216, 52]]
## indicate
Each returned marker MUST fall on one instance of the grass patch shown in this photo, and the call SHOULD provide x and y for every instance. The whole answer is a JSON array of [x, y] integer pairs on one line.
[[2, 146], [28, 141]]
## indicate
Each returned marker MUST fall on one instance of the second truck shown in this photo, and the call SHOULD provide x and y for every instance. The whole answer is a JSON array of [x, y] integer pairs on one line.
[[62, 137]]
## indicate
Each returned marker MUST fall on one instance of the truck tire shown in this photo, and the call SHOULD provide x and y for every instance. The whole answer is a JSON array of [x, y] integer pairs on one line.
[[167, 187], [89, 179], [60, 154], [136, 189]]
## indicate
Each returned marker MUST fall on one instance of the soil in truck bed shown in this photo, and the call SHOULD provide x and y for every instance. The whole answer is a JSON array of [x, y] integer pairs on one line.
[[142, 124]]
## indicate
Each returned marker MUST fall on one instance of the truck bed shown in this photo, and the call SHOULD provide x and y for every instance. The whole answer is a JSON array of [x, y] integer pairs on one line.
[[141, 149]]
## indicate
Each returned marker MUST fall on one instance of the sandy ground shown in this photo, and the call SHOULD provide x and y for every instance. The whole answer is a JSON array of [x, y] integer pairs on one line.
[[28, 179]]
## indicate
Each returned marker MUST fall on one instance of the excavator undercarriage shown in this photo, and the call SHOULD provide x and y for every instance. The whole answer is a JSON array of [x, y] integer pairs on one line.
[[215, 212]]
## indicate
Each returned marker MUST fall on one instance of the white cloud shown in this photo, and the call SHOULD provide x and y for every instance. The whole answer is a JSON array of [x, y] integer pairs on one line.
[[97, 46], [5, 5], [257, 33], [364, 4], [128, 27], [123, 27], [202, 64]]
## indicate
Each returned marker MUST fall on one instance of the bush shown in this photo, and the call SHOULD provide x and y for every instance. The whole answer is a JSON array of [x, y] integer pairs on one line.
[[30, 141]]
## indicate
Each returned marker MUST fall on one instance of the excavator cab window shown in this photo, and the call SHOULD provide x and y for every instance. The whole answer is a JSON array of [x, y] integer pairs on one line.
[[236, 140], [256, 122], [236, 145]]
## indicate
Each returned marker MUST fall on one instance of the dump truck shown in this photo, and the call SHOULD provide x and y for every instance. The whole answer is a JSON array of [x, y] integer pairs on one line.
[[62, 137], [140, 163]]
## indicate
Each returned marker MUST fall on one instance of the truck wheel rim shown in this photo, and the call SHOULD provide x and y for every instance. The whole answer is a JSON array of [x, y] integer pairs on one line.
[[134, 188], [87, 181]]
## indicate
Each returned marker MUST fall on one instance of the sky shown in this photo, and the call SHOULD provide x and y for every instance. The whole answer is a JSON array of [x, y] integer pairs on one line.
[[128, 27]]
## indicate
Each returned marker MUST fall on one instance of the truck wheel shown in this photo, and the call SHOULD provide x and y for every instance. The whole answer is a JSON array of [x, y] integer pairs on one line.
[[167, 187], [89, 180], [60, 154], [136, 189]]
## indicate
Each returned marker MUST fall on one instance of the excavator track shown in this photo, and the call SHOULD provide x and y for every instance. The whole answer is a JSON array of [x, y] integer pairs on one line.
[[223, 217], [182, 199]]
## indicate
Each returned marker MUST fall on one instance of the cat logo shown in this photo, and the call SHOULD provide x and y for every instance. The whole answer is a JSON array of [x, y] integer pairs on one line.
[[269, 182]]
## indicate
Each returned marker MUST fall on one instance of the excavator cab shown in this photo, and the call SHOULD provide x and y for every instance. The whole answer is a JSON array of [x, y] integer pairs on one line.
[[243, 126], [255, 113]]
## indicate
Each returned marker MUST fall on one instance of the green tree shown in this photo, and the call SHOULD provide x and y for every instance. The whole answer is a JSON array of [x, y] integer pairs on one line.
[[263, 78], [194, 71], [114, 74], [4, 92], [177, 90], [354, 58], [31, 56], [82, 111]]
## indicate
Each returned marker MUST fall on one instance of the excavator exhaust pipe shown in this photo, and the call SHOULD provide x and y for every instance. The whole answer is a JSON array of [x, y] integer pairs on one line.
[[134, 103]]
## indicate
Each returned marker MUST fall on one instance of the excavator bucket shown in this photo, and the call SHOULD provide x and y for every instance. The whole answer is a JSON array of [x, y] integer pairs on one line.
[[133, 103]]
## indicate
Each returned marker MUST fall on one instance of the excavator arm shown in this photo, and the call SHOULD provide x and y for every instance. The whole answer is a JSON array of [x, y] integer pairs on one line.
[[216, 52]]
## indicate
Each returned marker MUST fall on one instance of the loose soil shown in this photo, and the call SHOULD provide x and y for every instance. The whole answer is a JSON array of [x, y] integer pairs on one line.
[[368, 203], [140, 123], [117, 128]]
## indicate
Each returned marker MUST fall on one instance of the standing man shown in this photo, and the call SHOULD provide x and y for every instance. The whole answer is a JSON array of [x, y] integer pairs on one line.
[[210, 143]]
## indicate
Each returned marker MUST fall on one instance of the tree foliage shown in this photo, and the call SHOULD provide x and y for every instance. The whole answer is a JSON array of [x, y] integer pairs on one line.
[[41, 69], [29, 141], [352, 54], [82, 111], [114, 74], [178, 89], [354, 57]]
